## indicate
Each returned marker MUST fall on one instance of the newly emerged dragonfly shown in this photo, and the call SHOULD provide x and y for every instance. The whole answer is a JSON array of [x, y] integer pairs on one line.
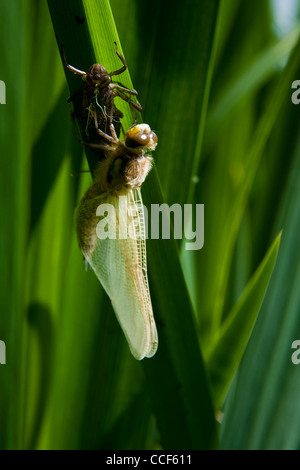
[[98, 86], [118, 256]]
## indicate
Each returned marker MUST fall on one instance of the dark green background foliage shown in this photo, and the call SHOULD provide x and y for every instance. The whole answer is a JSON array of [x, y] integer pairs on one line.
[[214, 78]]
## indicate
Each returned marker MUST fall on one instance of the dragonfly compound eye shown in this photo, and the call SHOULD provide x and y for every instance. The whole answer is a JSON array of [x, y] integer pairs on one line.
[[140, 136], [154, 139]]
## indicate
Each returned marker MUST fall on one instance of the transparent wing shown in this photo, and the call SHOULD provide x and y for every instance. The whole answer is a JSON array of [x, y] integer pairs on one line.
[[117, 254]]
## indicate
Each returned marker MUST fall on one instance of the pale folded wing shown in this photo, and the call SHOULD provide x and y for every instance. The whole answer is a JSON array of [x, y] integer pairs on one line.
[[121, 266]]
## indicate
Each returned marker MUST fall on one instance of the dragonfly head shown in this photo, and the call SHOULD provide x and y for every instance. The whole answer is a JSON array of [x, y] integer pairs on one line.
[[139, 136]]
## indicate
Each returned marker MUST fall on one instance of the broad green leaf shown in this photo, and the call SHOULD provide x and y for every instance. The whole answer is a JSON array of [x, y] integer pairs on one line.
[[168, 372], [172, 67]]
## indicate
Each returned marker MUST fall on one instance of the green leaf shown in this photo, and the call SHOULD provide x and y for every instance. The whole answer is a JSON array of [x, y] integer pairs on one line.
[[172, 67], [262, 410], [177, 368], [225, 353]]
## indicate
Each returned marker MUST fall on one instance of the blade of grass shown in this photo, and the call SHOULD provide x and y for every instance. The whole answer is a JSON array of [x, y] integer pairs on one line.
[[224, 355], [168, 371], [173, 79]]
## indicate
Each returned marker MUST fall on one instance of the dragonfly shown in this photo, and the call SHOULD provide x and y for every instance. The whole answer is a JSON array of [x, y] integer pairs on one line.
[[119, 261]]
